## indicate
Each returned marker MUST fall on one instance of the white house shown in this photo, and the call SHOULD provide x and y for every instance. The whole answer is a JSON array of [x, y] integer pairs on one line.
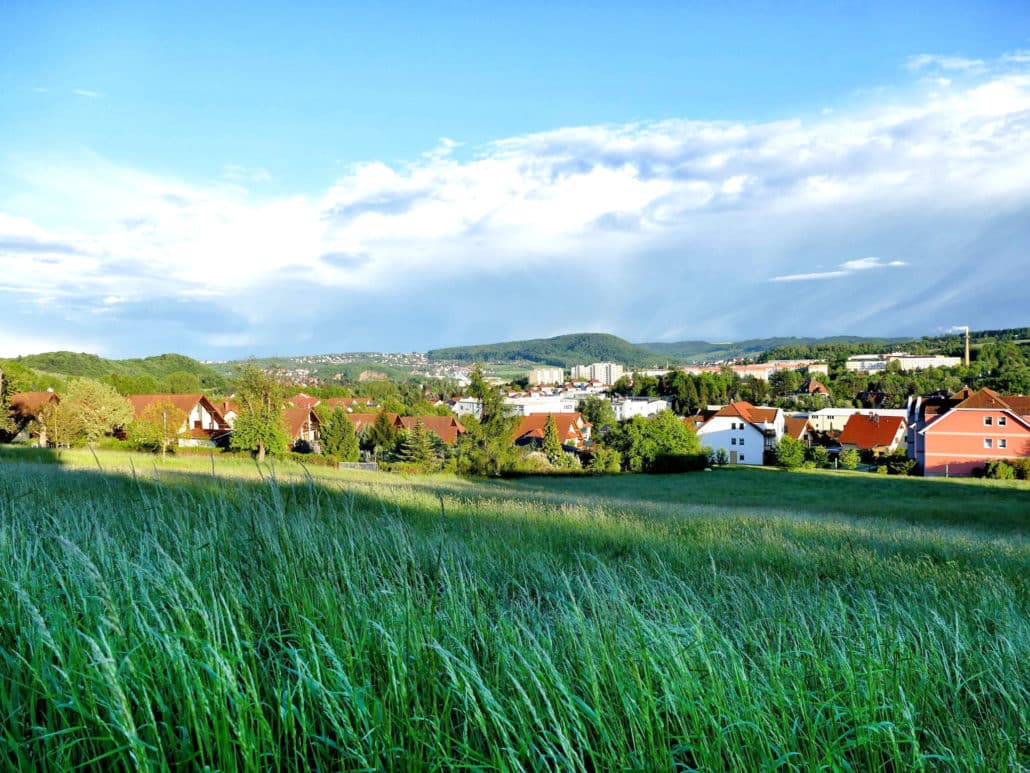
[[628, 407], [468, 406], [744, 431]]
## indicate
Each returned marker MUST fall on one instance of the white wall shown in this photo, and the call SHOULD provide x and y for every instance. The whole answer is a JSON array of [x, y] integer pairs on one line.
[[734, 434]]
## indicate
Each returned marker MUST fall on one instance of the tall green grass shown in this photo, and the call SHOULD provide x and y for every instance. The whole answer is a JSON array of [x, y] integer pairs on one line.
[[166, 620]]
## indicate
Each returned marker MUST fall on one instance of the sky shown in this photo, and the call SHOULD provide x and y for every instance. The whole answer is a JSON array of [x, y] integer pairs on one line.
[[256, 179]]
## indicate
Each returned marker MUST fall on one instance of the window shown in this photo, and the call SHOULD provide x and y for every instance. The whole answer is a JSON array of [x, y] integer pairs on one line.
[[988, 421], [742, 457], [988, 443], [733, 441], [1002, 421], [1003, 443], [742, 441]]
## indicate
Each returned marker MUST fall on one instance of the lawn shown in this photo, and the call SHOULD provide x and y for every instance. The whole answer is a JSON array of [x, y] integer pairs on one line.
[[182, 614]]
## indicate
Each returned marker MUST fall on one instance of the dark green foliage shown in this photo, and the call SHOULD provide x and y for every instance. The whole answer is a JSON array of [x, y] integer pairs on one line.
[[999, 470], [338, 438], [599, 413], [819, 455], [565, 351], [604, 460], [790, 453], [380, 437], [642, 441], [552, 446], [181, 382], [417, 448], [81, 364], [898, 463]]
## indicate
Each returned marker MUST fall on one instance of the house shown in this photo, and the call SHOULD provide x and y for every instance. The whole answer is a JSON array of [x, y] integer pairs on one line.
[[811, 388], [363, 421], [447, 428], [304, 401], [24, 407], [573, 429], [799, 429], [871, 432], [744, 431], [628, 407], [302, 428], [827, 420], [955, 434], [204, 426], [229, 410]]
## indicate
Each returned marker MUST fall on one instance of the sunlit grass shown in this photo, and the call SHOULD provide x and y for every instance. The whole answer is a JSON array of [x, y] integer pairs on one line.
[[237, 620]]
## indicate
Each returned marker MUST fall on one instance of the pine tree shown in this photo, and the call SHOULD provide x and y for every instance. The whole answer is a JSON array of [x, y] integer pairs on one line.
[[552, 442], [417, 447], [338, 438]]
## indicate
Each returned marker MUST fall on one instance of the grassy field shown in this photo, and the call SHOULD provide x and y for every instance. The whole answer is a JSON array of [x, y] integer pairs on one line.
[[164, 615]]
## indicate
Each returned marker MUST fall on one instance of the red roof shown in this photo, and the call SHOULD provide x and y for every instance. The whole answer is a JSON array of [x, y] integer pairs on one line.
[[868, 432], [795, 426], [362, 420], [304, 401], [296, 418], [347, 402], [26, 405], [447, 428], [569, 432], [747, 412], [185, 403]]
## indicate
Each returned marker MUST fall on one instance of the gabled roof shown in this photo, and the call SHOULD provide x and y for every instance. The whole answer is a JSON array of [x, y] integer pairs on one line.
[[983, 399], [26, 405], [185, 403], [744, 410], [569, 427], [225, 407], [347, 402], [813, 387], [447, 428], [363, 420], [304, 401], [867, 432], [296, 417], [795, 426]]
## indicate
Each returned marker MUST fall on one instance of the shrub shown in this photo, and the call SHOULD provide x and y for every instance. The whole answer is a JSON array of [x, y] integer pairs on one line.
[[819, 455], [881, 469], [721, 457], [1022, 468], [790, 453], [999, 470], [848, 459], [808, 464], [669, 463], [606, 460]]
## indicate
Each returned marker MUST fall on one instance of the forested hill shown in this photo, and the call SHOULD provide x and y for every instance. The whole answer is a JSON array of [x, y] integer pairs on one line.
[[753, 347], [92, 366], [564, 351]]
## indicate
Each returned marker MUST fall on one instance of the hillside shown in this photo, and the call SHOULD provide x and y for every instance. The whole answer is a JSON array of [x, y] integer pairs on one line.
[[564, 351], [92, 366], [752, 347]]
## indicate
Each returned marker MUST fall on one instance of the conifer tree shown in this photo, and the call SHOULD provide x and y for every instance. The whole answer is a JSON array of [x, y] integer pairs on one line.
[[552, 443]]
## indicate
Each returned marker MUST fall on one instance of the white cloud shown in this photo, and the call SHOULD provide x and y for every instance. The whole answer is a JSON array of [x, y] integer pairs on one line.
[[846, 268], [88, 93], [955, 63], [633, 217], [238, 173]]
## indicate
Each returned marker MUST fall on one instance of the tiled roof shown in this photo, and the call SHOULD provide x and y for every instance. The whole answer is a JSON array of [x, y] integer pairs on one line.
[[867, 432], [795, 426], [185, 403], [25, 405], [747, 412], [363, 420], [447, 428], [304, 401], [535, 426], [347, 402], [296, 417]]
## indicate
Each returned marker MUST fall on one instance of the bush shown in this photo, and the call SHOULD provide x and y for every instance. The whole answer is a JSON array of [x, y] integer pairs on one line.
[[999, 470], [881, 469], [808, 465], [848, 459], [819, 456], [722, 457], [605, 460], [790, 453], [898, 463], [1022, 468]]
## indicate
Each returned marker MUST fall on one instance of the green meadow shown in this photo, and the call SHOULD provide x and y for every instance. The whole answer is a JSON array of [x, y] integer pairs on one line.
[[207, 613]]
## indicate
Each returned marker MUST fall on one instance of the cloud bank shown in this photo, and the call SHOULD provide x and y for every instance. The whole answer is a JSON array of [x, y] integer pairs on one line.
[[653, 230]]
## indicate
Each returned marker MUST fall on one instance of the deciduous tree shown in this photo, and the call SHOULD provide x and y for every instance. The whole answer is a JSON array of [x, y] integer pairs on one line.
[[102, 410], [260, 426], [160, 425]]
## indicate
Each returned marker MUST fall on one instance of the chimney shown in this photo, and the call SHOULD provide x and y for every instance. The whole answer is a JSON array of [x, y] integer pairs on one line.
[[967, 346]]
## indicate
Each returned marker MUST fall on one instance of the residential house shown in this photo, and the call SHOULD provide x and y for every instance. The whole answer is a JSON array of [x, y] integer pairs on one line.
[[348, 403], [447, 428], [828, 420], [955, 434], [204, 426], [229, 410], [873, 433], [798, 428], [303, 428], [812, 388], [573, 429], [304, 401], [744, 431], [24, 407], [628, 407]]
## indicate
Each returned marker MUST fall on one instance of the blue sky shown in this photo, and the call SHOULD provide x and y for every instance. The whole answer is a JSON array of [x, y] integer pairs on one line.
[[258, 180]]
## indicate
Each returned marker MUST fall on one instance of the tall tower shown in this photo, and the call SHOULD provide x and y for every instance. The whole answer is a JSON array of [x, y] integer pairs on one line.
[[966, 328]]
